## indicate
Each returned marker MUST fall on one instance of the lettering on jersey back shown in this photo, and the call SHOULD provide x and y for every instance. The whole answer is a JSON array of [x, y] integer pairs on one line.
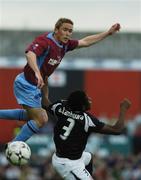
[[70, 114]]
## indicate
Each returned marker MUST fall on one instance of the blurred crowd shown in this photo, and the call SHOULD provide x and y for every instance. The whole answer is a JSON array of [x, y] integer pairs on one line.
[[113, 167]]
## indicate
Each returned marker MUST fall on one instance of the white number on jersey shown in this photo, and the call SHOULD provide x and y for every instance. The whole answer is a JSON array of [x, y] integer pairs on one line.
[[68, 129]]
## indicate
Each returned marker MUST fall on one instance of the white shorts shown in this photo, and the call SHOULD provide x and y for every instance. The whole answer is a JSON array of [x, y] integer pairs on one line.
[[72, 169]]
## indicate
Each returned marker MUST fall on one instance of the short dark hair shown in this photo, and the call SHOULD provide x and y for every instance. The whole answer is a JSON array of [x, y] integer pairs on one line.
[[78, 101], [61, 21]]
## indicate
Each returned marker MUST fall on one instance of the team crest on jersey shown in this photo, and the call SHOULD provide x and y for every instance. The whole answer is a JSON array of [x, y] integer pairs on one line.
[[35, 46]]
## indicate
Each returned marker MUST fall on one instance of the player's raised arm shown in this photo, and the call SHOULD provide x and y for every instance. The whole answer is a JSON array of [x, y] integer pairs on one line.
[[118, 127], [92, 39]]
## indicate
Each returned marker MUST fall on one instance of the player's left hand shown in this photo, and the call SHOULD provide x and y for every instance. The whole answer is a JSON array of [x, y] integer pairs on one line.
[[116, 27], [125, 104], [40, 82]]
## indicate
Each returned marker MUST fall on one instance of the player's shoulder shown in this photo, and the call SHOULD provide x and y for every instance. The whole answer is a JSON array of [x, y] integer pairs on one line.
[[56, 104], [71, 44], [59, 102], [42, 36], [90, 115], [94, 121], [72, 41], [42, 40]]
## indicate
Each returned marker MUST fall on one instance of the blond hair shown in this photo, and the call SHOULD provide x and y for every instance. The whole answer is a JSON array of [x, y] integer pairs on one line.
[[61, 21]]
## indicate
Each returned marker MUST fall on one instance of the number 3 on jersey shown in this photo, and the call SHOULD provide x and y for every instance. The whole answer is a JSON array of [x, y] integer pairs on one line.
[[68, 129]]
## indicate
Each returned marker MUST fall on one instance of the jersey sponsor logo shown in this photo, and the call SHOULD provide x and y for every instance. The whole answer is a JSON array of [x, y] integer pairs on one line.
[[70, 114], [53, 62]]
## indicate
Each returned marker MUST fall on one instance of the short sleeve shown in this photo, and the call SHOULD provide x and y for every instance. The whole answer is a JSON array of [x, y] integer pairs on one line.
[[38, 46], [93, 123], [54, 108], [72, 44]]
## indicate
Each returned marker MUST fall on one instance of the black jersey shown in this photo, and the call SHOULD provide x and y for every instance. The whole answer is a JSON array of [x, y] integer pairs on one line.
[[72, 130]]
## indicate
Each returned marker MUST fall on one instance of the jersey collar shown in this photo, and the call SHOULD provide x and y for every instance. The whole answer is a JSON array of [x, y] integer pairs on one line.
[[50, 36]]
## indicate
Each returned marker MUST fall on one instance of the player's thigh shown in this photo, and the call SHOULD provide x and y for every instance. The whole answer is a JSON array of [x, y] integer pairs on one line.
[[60, 166], [37, 114], [86, 157], [64, 167], [70, 170]]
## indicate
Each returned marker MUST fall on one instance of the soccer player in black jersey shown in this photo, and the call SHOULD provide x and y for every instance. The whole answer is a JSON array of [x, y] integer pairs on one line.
[[73, 127]]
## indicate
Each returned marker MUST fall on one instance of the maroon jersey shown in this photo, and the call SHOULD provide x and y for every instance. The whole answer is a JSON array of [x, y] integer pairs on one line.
[[49, 55]]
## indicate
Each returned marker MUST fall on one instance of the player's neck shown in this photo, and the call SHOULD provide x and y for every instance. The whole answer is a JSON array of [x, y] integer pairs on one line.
[[57, 39]]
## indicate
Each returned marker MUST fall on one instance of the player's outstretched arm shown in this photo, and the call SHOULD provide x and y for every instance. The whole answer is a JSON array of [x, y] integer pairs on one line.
[[92, 39], [118, 127]]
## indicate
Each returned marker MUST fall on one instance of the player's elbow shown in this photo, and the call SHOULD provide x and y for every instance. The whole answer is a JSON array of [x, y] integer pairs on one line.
[[30, 54], [83, 43], [118, 131]]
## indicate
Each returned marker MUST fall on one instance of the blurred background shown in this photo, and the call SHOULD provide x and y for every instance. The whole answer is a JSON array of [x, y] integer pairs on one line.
[[109, 71]]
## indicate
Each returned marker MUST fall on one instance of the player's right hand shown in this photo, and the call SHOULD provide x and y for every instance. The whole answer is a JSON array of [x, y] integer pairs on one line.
[[116, 27], [40, 82]]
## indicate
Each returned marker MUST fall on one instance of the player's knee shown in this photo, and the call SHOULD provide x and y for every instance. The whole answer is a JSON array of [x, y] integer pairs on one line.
[[42, 118], [87, 156], [91, 156], [89, 165]]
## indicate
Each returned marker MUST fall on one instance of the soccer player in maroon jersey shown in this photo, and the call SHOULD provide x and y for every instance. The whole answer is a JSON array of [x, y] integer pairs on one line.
[[43, 56]]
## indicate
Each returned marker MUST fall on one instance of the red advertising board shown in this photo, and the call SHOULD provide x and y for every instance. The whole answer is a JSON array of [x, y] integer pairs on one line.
[[7, 101], [108, 88]]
